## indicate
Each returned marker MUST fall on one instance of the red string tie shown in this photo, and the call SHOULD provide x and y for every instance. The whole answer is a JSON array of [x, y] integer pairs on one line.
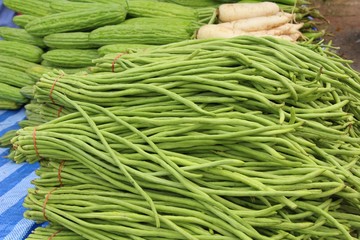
[[45, 202], [53, 86], [34, 141], [61, 166], [59, 111], [114, 61], [54, 234]]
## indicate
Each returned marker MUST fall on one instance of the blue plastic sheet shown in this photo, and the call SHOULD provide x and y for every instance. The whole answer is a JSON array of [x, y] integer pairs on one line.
[[15, 180], [6, 16]]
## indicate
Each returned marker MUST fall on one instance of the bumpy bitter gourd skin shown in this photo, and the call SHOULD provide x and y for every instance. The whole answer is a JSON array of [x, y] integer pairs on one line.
[[77, 20], [20, 35], [144, 30], [11, 94], [79, 57], [75, 40], [23, 51], [30, 7], [23, 19], [15, 78], [122, 48], [145, 8], [58, 6], [13, 62]]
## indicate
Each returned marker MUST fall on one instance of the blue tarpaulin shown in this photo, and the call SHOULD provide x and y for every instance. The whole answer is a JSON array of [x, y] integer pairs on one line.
[[6, 16], [15, 180]]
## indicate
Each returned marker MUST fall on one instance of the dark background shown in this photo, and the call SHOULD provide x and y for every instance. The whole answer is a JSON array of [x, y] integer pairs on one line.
[[343, 26]]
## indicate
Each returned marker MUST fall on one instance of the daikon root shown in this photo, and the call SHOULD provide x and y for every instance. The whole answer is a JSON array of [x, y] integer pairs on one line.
[[231, 12], [252, 19], [259, 23], [215, 31], [287, 31]]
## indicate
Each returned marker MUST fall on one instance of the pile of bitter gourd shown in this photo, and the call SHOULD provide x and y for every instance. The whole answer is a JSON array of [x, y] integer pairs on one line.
[[222, 139]]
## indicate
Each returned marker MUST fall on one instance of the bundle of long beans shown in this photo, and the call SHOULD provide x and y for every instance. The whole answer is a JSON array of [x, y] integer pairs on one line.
[[244, 138], [53, 232]]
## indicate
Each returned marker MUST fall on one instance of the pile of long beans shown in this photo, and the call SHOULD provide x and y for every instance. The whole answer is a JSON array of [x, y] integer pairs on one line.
[[244, 138]]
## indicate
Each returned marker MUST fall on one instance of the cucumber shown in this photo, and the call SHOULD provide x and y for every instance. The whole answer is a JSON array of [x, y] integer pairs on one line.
[[152, 31], [76, 20], [74, 40], [20, 35], [70, 58], [23, 51]]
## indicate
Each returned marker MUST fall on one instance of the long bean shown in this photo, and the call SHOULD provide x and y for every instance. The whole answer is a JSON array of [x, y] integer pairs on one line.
[[242, 138]]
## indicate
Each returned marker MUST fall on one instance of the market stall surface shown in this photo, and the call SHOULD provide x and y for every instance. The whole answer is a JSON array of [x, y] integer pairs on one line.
[[343, 27]]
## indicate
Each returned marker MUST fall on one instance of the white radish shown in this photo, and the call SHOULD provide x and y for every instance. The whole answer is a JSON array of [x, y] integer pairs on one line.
[[292, 37], [259, 23], [290, 28], [285, 37], [287, 31], [296, 35], [230, 12], [214, 31]]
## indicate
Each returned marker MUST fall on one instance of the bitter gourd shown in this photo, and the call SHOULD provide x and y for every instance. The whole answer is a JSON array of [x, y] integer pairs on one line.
[[20, 35], [76, 20], [70, 58], [31, 7], [15, 63], [66, 6], [145, 8], [14, 78], [152, 31], [121, 48], [23, 19], [75, 40], [24, 51], [11, 94]]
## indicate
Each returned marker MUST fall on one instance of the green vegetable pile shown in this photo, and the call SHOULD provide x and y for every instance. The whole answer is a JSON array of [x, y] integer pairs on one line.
[[69, 34], [242, 138]]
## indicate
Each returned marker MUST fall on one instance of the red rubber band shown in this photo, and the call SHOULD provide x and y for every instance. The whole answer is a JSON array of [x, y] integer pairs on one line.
[[113, 63], [53, 86], [54, 234], [61, 166], [34, 141], [45, 202], [59, 111]]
